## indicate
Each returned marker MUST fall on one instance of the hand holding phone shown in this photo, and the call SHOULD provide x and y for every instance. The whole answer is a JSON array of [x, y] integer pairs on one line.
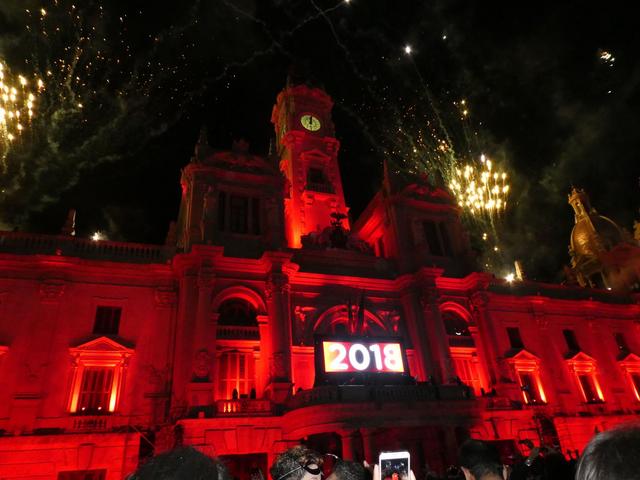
[[394, 466]]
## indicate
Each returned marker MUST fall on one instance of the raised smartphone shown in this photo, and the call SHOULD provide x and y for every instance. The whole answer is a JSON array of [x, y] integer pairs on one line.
[[394, 465]]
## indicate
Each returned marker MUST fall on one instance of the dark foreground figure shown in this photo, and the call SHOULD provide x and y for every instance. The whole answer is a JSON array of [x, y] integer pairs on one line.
[[612, 455], [184, 463]]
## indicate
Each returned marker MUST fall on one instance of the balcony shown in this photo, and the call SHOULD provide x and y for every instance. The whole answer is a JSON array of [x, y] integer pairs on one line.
[[243, 407], [379, 394], [90, 423]]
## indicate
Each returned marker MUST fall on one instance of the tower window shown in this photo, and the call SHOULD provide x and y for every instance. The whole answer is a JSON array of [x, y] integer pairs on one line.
[[222, 210], [380, 251], [515, 340], [621, 342], [571, 340], [239, 214], [107, 321], [317, 181], [437, 238]]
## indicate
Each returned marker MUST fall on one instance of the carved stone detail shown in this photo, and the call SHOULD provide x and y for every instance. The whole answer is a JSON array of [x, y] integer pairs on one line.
[[52, 290], [277, 283], [165, 297], [202, 366]]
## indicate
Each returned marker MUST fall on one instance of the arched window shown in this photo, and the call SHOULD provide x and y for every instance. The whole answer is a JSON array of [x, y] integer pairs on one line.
[[238, 312], [463, 350], [457, 330]]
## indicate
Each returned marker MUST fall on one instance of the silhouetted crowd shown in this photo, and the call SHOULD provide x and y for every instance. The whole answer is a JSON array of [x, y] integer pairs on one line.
[[610, 455]]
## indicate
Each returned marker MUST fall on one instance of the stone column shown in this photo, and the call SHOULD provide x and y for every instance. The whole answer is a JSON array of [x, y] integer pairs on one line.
[[277, 293], [262, 367], [437, 335], [206, 330], [486, 336], [165, 299], [48, 353], [483, 357], [184, 339], [348, 439], [417, 332], [368, 449]]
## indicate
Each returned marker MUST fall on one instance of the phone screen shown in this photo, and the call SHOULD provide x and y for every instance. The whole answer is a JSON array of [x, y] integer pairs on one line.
[[394, 469]]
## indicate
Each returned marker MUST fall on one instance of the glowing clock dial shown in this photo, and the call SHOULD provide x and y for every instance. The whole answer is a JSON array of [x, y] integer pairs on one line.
[[310, 122]]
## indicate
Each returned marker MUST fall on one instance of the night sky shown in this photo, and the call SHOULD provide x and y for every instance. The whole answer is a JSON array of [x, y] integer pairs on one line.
[[551, 93]]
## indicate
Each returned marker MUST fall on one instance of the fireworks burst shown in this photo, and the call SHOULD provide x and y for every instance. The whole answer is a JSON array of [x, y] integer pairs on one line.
[[17, 105], [483, 190]]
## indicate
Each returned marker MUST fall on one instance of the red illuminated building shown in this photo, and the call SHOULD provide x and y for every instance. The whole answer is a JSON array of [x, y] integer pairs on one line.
[[110, 351]]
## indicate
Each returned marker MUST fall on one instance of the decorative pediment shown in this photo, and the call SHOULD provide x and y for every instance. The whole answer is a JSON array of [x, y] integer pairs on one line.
[[630, 362], [101, 351], [524, 356], [101, 344], [581, 357], [582, 363]]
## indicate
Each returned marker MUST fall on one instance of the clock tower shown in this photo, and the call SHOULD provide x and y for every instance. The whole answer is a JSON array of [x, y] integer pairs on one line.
[[308, 152]]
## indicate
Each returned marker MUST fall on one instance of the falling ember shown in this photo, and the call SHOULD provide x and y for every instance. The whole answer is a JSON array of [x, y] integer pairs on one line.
[[482, 190], [17, 105]]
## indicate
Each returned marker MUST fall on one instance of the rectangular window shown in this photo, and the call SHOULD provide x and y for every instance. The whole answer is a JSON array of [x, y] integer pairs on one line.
[[83, 475], [437, 237], [621, 342], [239, 214], [107, 321], [571, 340], [588, 388], [529, 388], [255, 216], [431, 235], [380, 252], [315, 175], [515, 341], [635, 380], [444, 239], [222, 211], [235, 373], [95, 390]]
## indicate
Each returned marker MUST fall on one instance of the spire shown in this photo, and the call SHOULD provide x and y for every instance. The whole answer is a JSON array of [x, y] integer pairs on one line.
[[579, 200], [202, 145], [69, 227]]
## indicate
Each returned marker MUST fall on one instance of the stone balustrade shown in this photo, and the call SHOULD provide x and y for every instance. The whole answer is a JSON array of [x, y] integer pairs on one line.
[[61, 245]]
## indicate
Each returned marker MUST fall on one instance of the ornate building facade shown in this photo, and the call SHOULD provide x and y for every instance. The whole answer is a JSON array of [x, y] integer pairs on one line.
[[110, 351]]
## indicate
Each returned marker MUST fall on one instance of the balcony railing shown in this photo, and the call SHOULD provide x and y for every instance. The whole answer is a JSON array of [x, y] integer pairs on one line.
[[235, 332], [243, 406], [90, 423], [320, 187], [27, 243], [382, 394]]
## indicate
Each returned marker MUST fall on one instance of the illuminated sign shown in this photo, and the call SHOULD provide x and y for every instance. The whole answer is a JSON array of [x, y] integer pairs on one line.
[[360, 360], [361, 357]]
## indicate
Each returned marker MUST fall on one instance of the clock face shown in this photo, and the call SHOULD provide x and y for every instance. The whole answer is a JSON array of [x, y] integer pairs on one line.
[[310, 122]]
